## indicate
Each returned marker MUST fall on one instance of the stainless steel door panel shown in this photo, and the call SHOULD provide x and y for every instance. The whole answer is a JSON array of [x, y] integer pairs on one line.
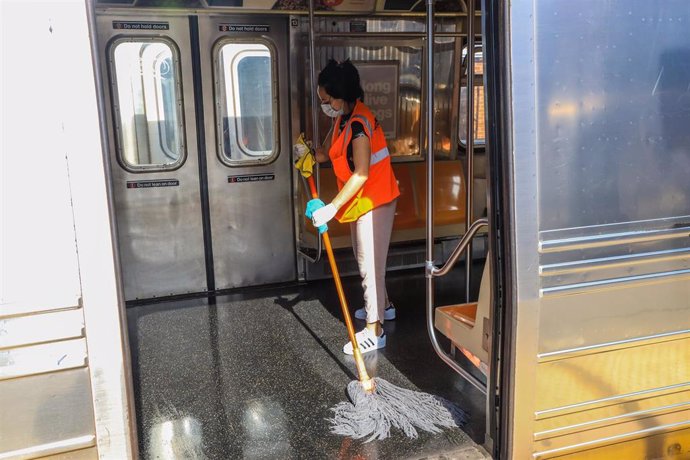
[[251, 222], [159, 227], [160, 234]]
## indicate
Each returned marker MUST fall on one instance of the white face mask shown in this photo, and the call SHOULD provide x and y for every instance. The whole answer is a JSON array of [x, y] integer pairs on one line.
[[330, 111]]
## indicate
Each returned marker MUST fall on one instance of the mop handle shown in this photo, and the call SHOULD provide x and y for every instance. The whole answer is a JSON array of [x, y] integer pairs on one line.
[[363, 376]]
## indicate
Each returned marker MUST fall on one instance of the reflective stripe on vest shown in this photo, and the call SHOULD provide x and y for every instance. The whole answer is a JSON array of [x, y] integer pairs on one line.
[[379, 156]]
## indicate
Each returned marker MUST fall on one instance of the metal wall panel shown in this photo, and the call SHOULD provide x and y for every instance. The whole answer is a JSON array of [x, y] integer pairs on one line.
[[639, 272], [600, 160], [40, 411], [616, 438], [612, 110], [597, 317], [648, 405], [81, 454], [48, 357], [581, 382], [648, 445], [34, 329]]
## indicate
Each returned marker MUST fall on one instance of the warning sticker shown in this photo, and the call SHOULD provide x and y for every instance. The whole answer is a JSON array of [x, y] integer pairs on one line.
[[153, 183], [250, 178], [244, 28], [135, 25]]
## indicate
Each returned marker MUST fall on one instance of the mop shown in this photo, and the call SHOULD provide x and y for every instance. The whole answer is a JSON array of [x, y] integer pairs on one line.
[[377, 405]]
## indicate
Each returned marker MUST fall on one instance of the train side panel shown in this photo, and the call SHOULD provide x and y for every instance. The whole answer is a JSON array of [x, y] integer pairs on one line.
[[601, 157], [64, 371]]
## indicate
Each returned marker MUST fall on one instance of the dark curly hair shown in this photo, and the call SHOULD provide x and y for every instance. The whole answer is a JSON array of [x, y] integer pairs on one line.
[[341, 81]]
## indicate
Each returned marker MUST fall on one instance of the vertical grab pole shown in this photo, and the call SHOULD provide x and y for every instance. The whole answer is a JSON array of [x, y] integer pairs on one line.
[[430, 178], [469, 211], [312, 79], [314, 108], [429, 143]]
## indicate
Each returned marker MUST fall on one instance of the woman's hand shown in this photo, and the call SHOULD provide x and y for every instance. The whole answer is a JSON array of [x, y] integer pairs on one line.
[[323, 215], [321, 155], [319, 214], [299, 150]]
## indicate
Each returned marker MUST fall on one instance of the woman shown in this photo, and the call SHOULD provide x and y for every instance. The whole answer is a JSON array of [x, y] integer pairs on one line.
[[368, 192]]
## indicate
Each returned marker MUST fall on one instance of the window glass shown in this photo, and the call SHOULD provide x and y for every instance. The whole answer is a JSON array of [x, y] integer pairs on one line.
[[478, 101], [247, 106], [147, 103]]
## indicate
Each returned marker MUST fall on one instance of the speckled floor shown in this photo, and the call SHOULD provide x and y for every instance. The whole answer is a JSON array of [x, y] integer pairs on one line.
[[253, 376]]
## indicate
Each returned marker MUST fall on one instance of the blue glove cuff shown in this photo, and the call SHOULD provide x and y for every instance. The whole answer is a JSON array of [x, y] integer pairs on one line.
[[313, 205]]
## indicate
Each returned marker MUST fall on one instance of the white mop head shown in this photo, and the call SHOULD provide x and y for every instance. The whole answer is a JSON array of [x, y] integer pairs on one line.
[[373, 414]]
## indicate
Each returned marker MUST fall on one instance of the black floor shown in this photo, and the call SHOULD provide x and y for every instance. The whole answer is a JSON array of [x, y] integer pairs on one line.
[[254, 376]]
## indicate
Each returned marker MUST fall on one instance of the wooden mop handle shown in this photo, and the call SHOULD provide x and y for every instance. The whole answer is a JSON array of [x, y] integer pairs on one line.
[[361, 369]]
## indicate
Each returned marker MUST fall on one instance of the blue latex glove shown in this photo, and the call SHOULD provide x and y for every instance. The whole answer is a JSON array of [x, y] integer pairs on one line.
[[313, 205]]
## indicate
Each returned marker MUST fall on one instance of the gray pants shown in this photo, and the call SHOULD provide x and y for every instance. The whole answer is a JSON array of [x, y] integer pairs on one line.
[[371, 236]]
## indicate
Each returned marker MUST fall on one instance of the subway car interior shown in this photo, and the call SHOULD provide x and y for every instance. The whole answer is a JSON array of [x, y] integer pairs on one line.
[[539, 262]]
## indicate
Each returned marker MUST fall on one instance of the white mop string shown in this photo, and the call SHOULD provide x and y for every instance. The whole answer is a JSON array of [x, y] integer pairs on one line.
[[389, 406]]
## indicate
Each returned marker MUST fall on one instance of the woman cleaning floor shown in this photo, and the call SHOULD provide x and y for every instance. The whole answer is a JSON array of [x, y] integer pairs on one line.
[[368, 192]]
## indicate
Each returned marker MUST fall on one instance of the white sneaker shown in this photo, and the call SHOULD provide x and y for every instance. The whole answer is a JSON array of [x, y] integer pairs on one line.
[[366, 341], [388, 313]]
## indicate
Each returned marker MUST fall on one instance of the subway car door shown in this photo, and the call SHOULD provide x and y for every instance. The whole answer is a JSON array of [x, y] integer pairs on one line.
[[245, 95], [147, 70]]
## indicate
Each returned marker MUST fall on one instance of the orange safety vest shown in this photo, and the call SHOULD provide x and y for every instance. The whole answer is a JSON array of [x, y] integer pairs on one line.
[[381, 186]]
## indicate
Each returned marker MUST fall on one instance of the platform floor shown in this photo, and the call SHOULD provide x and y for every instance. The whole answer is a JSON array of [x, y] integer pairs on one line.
[[253, 376]]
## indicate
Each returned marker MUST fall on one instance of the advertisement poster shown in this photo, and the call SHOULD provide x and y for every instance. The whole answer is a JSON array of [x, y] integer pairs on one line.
[[380, 83]]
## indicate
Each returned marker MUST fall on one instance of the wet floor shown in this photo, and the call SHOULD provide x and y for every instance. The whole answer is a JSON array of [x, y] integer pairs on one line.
[[254, 376]]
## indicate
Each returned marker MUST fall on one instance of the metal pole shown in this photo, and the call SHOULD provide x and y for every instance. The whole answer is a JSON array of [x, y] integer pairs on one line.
[[460, 248], [430, 134], [314, 109], [469, 214], [312, 71]]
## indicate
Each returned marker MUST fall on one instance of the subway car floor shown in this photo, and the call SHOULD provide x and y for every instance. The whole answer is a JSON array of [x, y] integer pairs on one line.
[[255, 375]]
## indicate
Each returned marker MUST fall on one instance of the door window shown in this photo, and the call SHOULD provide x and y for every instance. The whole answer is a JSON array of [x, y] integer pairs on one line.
[[246, 105], [148, 103]]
